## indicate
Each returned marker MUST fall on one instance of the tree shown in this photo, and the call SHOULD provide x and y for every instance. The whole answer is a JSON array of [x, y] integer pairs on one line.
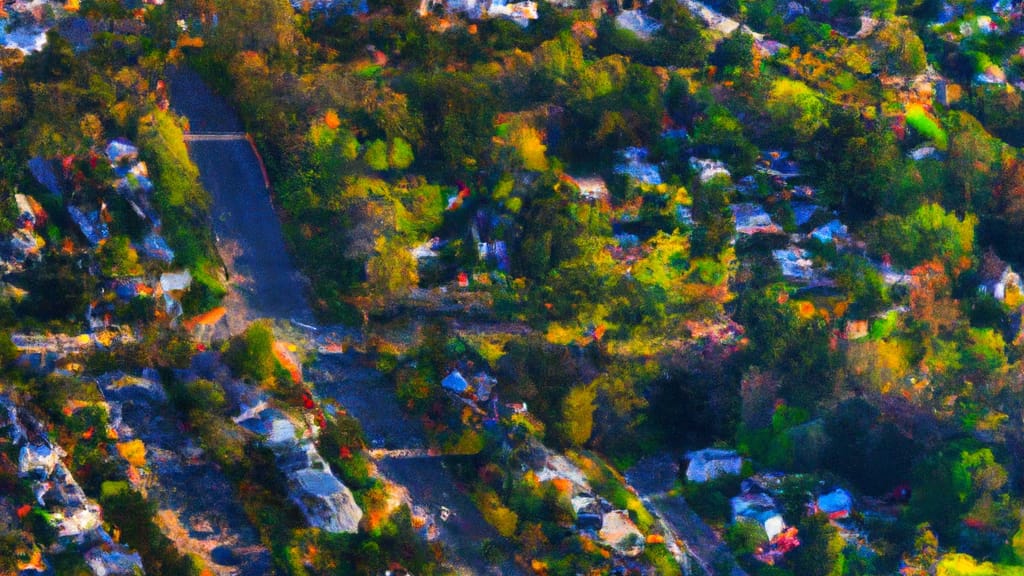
[[900, 49], [714, 219], [251, 353], [719, 133], [400, 155], [821, 548], [118, 258], [796, 108], [736, 51], [972, 162], [578, 414], [376, 155], [391, 272], [929, 233]]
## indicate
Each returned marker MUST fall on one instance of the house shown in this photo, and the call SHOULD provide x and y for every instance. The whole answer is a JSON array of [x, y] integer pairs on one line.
[[483, 385], [778, 163], [175, 281], [634, 164], [454, 382], [324, 500], [796, 263], [856, 329], [803, 212], [752, 219], [1000, 284], [124, 387], [113, 560], [708, 169], [836, 504], [428, 250], [25, 245], [90, 224], [638, 23], [519, 12], [711, 463], [759, 508], [923, 153], [497, 251], [156, 248], [120, 151], [42, 170], [30, 213], [38, 459], [834, 231], [592, 188]]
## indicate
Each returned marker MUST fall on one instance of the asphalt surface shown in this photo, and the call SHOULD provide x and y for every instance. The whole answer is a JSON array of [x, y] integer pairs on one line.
[[263, 281], [368, 397], [264, 284], [652, 478]]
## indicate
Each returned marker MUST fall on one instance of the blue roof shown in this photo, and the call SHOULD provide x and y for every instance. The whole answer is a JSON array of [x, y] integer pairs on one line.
[[455, 382]]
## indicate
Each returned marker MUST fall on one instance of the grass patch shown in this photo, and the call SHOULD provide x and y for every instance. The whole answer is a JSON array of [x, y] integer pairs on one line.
[[928, 126]]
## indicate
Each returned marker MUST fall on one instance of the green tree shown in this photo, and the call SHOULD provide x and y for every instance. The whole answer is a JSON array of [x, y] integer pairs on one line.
[[400, 155], [796, 108], [900, 49], [714, 219], [391, 271], [376, 155], [930, 232], [821, 548], [118, 258], [735, 51], [251, 353]]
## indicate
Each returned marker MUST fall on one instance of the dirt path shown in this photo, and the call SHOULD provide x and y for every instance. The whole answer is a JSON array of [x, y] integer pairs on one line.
[[263, 282]]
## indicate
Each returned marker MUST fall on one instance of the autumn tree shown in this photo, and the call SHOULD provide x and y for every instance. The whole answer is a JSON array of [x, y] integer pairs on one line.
[[391, 272], [578, 414], [900, 49], [796, 108]]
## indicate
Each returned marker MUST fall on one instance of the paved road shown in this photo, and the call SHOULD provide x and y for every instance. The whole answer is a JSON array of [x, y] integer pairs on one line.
[[367, 396], [263, 282], [652, 478], [265, 285]]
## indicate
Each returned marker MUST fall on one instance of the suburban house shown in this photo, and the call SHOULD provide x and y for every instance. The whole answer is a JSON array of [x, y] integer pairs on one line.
[[710, 463]]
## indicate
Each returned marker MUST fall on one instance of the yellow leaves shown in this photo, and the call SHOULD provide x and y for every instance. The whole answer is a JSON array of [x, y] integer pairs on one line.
[[527, 142], [560, 334], [133, 451], [965, 565], [502, 518]]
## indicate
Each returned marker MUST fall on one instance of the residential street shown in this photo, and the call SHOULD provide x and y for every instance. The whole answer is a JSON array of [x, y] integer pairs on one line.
[[264, 284], [653, 477]]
